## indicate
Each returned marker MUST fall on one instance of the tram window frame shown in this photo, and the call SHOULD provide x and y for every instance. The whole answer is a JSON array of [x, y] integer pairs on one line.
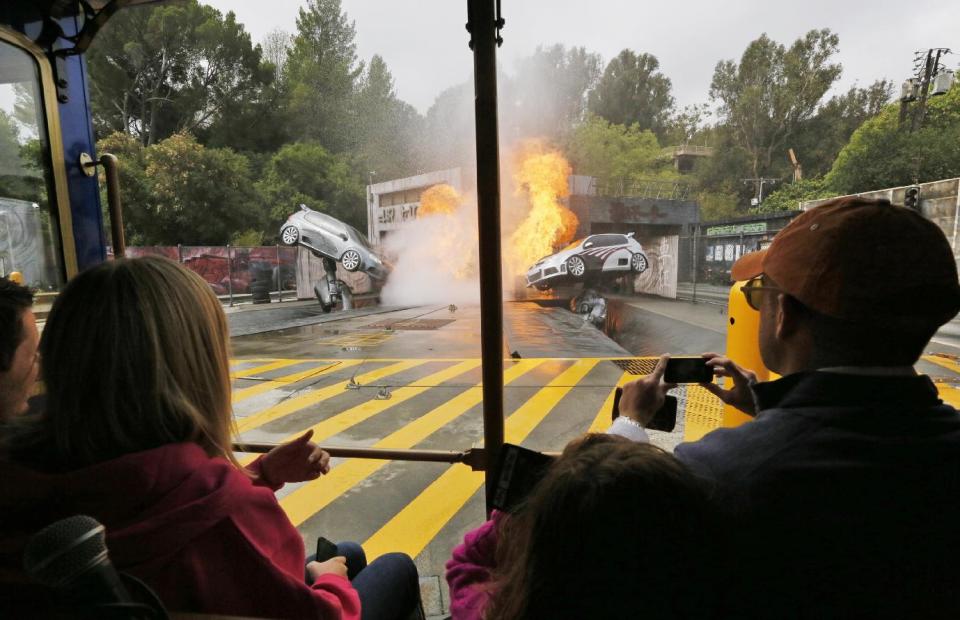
[[53, 157]]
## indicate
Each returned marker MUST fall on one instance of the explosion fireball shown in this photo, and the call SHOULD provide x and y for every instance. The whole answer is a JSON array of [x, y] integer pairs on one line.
[[541, 176]]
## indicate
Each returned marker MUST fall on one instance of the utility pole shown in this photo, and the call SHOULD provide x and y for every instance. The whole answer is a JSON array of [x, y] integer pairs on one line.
[[917, 88], [930, 68], [759, 183]]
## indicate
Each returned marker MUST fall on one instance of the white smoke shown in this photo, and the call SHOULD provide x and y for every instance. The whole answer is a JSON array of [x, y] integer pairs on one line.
[[434, 261]]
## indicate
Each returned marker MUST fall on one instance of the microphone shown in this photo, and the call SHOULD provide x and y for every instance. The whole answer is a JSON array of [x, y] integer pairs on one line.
[[70, 555]]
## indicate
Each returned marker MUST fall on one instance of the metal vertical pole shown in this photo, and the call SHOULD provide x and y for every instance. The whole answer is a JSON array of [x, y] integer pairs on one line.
[[483, 25], [230, 274], [696, 255], [180, 253], [279, 278]]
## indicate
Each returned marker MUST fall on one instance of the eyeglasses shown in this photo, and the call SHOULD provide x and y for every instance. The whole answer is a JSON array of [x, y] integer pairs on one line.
[[752, 290]]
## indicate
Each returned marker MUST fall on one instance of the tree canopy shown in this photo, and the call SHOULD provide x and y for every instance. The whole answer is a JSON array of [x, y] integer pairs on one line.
[[881, 153], [632, 90], [302, 118], [183, 67]]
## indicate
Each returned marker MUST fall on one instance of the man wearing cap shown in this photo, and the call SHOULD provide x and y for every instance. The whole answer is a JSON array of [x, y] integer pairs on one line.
[[844, 492], [19, 340]]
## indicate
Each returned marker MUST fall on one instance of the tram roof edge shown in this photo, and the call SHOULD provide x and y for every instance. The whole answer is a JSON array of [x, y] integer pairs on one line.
[[62, 8]]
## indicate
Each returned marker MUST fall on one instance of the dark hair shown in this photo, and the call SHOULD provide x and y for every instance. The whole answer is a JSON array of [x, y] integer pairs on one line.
[[14, 299], [839, 342], [134, 357], [615, 529]]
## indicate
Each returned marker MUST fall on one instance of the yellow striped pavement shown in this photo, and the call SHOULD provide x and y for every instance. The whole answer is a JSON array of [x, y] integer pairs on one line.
[[279, 382], [413, 527], [257, 370], [313, 496], [422, 518], [291, 405]]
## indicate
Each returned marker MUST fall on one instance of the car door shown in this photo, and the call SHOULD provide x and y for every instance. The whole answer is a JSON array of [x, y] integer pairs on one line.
[[322, 236], [609, 252]]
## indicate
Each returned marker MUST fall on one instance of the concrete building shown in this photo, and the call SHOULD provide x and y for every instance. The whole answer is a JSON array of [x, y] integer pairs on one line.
[[391, 204]]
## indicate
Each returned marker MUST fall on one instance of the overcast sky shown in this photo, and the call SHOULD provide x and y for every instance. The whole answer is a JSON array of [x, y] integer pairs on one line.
[[425, 45]]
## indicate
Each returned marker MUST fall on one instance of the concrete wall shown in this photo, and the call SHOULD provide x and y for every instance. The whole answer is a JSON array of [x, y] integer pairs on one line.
[[939, 202], [385, 218]]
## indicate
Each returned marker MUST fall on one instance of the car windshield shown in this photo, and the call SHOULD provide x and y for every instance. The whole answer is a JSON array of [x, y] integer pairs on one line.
[[357, 236], [573, 245]]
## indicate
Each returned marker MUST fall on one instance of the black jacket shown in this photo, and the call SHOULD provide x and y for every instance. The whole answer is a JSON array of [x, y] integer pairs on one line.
[[843, 499]]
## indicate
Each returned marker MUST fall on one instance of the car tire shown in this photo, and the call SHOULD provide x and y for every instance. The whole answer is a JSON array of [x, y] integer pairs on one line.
[[576, 267], [290, 235], [638, 263], [351, 260]]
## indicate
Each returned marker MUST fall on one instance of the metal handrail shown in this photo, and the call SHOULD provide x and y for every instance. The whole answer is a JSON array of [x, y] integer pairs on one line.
[[476, 458]]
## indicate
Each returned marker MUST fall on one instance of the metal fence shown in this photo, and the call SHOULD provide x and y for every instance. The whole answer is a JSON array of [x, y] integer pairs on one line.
[[231, 270], [706, 256]]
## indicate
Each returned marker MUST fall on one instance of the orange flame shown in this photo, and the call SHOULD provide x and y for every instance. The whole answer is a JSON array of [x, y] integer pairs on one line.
[[441, 199], [542, 174]]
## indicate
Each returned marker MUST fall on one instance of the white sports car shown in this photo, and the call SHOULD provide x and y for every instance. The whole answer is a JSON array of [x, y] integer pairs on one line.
[[595, 257]]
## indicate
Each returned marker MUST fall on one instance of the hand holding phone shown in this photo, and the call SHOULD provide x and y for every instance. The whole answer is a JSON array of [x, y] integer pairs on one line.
[[665, 418], [325, 550], [688, 370]]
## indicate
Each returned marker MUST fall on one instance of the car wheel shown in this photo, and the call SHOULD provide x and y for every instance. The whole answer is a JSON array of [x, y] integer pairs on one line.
[[639, 263], [576, 266], [542, 287], [290, 235], [350, 260]]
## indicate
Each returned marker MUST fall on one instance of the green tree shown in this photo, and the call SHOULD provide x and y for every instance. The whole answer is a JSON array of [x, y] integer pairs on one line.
[[789, 197], [547, 96], [197, 196], [632, 90], [882, 154], [819, 140], [614, 152], [321, 75], [448, 138], [388, 128], [307, 173], [768, 96], [160, 70]]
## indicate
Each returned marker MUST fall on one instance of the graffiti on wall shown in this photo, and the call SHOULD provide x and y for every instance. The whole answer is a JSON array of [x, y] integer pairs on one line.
[[660, 278]]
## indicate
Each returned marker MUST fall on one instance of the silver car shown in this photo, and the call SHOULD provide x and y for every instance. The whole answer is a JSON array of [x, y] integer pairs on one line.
[[327, 236], [596, 257]]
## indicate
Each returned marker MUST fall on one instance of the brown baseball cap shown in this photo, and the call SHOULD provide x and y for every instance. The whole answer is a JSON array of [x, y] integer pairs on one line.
[[862, 260]]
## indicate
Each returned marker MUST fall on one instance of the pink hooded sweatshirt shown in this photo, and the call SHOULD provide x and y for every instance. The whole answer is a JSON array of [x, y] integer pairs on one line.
[[469, 570], [195, 529]]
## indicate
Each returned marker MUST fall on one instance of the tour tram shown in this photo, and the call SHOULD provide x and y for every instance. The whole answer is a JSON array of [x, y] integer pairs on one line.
[[42, 47]]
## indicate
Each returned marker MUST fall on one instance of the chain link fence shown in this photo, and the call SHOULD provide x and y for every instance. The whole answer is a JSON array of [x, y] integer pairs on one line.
[[706, 256]]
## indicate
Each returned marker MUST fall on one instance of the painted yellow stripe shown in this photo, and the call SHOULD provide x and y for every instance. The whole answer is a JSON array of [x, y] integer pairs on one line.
[[603, 419], [344, 420], [310, 498], [949, 394], [292, 405], [943, 362], [272, 384], [237, 361], [256, 370], [423, 518]]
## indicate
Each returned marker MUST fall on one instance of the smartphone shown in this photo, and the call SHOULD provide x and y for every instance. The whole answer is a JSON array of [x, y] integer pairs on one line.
[[687, 370], [518, 472], [665, 419], [325, 550]]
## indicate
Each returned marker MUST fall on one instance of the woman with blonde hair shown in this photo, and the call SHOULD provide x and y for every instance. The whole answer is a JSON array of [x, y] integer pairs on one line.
[[137, 432]]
